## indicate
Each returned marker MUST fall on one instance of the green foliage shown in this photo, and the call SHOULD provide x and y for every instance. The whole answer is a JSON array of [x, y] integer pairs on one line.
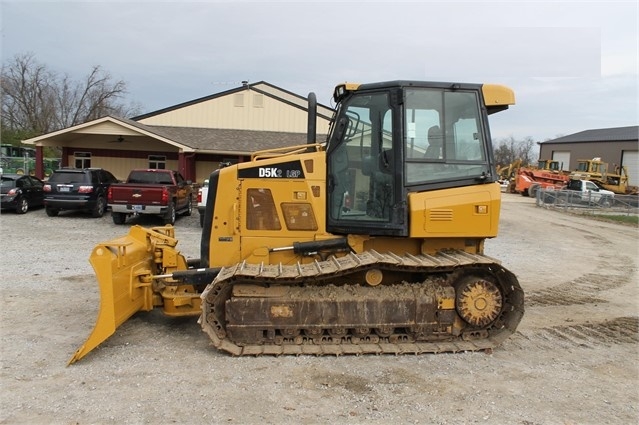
[[625, 219], [14, 137]]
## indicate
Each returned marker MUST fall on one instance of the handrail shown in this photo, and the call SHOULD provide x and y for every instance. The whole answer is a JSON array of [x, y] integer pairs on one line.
[[284, 151]]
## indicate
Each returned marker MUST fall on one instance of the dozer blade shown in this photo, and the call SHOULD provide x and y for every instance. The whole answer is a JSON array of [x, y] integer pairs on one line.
[[120, 265]]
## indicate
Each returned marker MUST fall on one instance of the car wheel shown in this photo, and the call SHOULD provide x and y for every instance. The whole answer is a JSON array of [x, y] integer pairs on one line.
[[23, 205], [605, 202], [118, 218], [189, 207], [100, 207], [169, 217], [51, 212]]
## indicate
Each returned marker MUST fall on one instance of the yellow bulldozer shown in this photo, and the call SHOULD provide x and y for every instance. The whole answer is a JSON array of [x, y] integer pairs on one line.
[[596, 171], [369, 242]]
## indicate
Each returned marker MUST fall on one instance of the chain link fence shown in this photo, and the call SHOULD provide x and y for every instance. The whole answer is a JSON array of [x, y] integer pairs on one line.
[[587, 203]]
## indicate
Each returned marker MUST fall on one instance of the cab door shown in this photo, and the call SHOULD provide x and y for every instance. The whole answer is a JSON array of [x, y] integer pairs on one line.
[[364, 175]]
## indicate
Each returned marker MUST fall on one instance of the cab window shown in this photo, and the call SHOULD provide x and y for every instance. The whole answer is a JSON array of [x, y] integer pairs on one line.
[[362, 165], [443, 137]]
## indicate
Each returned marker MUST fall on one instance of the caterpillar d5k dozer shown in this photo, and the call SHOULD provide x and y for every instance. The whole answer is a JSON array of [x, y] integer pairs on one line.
[[372, 242]]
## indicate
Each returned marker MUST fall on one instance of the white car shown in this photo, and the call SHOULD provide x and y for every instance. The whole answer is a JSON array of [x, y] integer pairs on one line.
[[591, 193], [202, 194]]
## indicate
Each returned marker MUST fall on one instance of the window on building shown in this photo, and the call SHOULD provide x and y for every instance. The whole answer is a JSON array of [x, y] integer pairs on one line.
[[238, 100], [157, 162], [82, 160]]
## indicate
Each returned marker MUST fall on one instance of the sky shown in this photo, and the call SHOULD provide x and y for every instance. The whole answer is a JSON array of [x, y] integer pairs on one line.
[[572, 64]]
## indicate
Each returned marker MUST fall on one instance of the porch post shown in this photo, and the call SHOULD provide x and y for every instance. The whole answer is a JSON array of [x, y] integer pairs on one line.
[[39, 162], [182, 164], [65, 157]]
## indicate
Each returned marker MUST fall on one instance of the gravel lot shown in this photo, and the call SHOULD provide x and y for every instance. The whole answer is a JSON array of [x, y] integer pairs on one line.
[[574, 359]]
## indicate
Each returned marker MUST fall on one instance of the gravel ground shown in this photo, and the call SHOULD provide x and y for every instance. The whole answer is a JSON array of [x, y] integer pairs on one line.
[[572, 361]]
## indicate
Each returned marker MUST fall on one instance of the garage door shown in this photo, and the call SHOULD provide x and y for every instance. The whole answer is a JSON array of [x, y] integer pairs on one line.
[[631, 160], [563, 158]]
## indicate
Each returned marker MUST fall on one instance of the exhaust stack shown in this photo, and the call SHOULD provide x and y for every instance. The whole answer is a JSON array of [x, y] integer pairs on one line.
[[312, 119]]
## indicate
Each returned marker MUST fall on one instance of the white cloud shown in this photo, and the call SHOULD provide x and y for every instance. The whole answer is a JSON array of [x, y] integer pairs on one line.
[[573, 65]]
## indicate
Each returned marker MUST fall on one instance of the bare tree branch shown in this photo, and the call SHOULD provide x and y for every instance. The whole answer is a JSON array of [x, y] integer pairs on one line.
[[37, 100], [510, 150]]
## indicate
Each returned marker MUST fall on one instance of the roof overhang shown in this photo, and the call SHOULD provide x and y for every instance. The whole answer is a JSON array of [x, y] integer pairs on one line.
[[222, 152], [102, 127]]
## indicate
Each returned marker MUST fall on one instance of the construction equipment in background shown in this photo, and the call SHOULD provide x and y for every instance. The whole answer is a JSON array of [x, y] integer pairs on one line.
[[549, 164], [596, 171], [287, 267], [22, 160], [507, 175], [548, 174]]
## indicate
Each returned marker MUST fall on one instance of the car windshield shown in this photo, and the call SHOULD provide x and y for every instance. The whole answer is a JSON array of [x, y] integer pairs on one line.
[[62, 177], [7, 182]]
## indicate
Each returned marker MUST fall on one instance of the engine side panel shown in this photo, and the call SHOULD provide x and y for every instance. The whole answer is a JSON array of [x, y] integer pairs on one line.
[[466, 212], [264, 205]]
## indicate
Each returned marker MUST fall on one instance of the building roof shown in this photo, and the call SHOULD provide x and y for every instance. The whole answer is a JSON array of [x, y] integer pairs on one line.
[[262, 87], [101, 127], [615, 134], [217, 140], [190, 139]]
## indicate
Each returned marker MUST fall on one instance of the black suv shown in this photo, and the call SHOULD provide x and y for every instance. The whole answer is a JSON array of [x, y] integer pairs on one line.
[[77, 189]]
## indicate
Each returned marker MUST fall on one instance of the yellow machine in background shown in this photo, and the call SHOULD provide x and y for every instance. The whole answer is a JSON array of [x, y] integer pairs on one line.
[[372, 242], [596, 171]]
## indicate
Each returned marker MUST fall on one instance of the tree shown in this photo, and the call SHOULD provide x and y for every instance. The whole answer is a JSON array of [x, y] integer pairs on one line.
[[36, 100], [510, 150]]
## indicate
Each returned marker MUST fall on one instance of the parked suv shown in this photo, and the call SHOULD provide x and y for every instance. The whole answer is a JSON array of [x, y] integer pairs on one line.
[[77, 189]]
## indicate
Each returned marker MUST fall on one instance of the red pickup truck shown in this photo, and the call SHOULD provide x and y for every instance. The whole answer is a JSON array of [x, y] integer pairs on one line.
[[158, 192]]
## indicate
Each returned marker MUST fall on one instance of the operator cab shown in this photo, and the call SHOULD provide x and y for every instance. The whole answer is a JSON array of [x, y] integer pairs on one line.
[[389, 139]]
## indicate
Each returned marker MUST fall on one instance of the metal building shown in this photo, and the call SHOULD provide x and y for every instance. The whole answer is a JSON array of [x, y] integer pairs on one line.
[[618, 146]]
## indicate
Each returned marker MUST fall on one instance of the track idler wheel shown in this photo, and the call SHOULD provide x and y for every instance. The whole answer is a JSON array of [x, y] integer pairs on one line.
[[478, 301]]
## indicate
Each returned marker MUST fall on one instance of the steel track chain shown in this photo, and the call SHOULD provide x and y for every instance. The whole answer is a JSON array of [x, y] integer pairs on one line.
[[215, 294]]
